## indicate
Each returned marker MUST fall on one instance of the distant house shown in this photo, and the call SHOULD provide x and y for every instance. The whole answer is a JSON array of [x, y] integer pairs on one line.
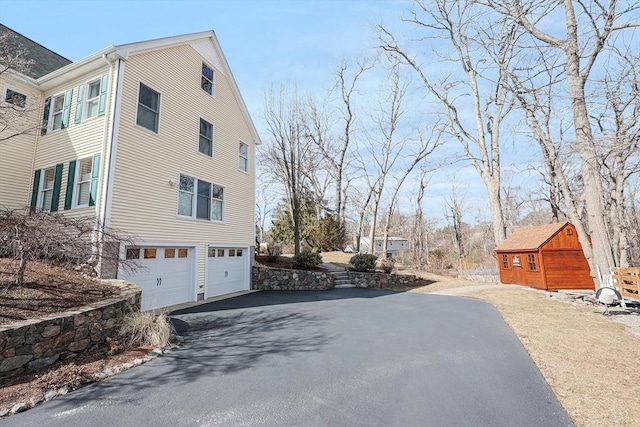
[[395, 245], [547, 257], [152, 138]]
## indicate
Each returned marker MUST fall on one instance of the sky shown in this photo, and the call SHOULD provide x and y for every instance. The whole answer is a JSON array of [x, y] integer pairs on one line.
[[265, 42]]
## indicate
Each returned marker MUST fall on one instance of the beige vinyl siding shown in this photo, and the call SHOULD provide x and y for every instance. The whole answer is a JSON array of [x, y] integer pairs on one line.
[[77, 141], [16, 153], [148, 165]]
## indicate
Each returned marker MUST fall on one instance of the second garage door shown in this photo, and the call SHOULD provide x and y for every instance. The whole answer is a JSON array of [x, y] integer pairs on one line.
[[226, 270]]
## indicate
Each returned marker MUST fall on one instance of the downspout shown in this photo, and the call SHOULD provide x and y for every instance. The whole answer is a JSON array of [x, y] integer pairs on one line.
[[108, 161]]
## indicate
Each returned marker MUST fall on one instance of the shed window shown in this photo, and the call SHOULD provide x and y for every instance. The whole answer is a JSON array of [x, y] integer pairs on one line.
[[531, 258], [505, 261]]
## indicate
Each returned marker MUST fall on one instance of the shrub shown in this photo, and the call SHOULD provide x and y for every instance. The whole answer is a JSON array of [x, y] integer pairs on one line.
[[308, 259], [388, 265], [363, 262], [140, 329], [273, 251]]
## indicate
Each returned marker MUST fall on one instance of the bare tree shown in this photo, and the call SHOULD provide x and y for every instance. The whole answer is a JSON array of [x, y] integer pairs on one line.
[[454, 208], [57, 239], [587, 31], [286, 153], [459, 29]]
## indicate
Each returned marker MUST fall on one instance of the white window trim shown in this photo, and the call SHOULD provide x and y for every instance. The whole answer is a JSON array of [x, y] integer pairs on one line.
[[85, 102], [17, 107], [212, 138], [246, 158], [41, 188], [76, 184], [194, 201], [159, 106], [50, 118], [213, 83]]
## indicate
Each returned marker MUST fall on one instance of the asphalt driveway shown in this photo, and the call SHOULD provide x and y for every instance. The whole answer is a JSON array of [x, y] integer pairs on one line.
[[348, 357]]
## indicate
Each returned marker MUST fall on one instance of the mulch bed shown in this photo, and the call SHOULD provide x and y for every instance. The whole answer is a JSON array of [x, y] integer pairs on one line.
[[46, 290]]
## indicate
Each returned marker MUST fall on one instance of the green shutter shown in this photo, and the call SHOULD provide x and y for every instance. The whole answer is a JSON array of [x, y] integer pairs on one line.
[[103, 95], [95, 172], [66, 112], [79, 104], [57, 183], [70, 178], [34, 191], [45, 116]]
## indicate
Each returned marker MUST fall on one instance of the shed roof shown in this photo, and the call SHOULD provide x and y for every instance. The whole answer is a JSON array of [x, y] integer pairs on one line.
[[530, 238], [43, 60]]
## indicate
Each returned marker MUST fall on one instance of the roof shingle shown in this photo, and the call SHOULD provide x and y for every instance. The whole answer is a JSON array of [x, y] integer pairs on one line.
[[530, 238], [44, 60]]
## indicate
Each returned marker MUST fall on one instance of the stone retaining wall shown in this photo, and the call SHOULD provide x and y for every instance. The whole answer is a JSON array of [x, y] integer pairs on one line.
[[280, 279], [384, 280], [481, 278], [37, 343]]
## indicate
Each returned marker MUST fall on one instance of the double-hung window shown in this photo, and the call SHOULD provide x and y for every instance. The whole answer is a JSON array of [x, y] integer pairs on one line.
[[57, 107], [93, 98], [205, 146], [148, 108], [243, 159], [206, 82], [15, 98], [217, 202], [200, 199], [83, 182], [46, 188], [203, 205], [186, 195]]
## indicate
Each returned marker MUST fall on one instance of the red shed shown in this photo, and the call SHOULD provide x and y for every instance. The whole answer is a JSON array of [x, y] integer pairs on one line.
[[547, 257]]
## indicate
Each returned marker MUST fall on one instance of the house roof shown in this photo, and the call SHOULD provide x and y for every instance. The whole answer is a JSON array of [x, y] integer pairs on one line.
[[124, 51], [44, 61], [530, 238]]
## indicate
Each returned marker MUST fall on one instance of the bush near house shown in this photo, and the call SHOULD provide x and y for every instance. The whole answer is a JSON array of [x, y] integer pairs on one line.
[[308, 259], [363, 262], [387, 265]]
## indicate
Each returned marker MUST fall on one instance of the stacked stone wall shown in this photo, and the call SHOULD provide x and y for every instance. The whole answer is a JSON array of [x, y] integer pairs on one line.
[[280, 279], [37, 343], [384, 281]]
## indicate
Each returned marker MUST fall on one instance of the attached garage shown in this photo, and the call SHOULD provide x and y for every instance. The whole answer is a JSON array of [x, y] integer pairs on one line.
[[227, 270], [166, 275]]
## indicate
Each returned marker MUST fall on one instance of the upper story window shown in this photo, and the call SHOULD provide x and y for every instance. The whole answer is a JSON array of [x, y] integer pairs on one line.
[[15, 98], [205, 145], [200, 199], [148, 108], [207, 79], [57, 111], [243, 157], [93, 98], [83, 182]]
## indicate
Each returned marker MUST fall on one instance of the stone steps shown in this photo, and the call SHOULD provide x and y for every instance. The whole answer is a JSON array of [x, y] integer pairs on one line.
[[341, 280]]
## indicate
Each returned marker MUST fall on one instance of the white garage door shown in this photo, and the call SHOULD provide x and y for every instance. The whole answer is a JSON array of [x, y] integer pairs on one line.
[[226, 270], [165, 275]]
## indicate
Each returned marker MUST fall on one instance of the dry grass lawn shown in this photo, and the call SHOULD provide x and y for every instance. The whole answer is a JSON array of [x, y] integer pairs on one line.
[[592, 363]]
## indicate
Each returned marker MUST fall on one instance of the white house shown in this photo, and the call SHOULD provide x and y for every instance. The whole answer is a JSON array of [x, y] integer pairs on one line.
[[395, 245], [152, 138]]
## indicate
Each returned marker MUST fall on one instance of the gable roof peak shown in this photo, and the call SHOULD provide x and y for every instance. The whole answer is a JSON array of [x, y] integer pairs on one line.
[[531, 237]]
